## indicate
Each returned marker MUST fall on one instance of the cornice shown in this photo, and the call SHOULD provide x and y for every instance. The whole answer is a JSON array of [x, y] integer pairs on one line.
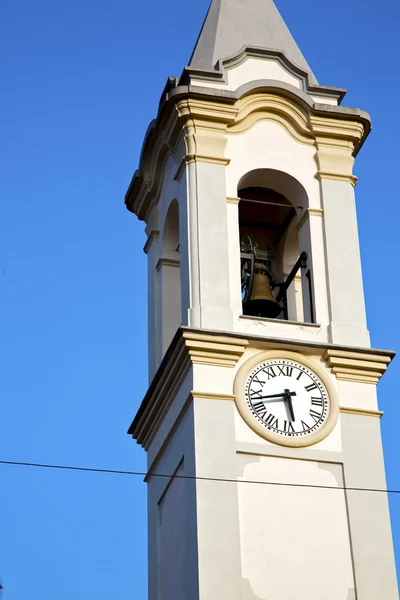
[[224, 349], [204, 115], [357, 366], [188, 347], [207, 350]]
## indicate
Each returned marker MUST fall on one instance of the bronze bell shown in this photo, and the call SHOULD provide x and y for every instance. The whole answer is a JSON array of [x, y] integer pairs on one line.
[[261, 302]]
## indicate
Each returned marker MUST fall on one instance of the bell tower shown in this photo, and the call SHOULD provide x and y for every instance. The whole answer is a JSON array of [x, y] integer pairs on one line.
[[261, 414]]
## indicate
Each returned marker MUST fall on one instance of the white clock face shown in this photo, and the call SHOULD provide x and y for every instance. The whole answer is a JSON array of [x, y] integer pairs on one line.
[[287, 398]]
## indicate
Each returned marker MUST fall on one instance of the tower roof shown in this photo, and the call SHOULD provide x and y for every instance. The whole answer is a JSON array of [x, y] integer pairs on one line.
[[232, 24]]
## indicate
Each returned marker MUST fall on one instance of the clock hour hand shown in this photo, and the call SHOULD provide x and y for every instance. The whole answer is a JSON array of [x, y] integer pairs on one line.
[[288, 398]]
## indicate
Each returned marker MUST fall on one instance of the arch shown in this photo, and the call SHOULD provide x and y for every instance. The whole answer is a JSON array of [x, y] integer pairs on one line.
[[170, 236], [169, 277], [279, 181], [270, 207]]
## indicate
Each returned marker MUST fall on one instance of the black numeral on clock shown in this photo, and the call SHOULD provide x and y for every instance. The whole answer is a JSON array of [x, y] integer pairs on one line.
[[316, 402], [286, 371], [270, 373], [312, 386], [316, 416], [271, 421], [288, 427], [260, 409]]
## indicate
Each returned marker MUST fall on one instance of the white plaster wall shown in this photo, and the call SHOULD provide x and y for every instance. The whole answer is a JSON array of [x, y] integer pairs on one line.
[[294, 540], [369, 519], [170, 292], [267, 145], [162, 284], [253, 68], [217, 504], [343, 263], [206, 236], [173, 562], [184, 247]]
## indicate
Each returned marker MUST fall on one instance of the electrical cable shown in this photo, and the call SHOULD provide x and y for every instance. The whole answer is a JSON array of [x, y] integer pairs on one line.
[[195, 477]]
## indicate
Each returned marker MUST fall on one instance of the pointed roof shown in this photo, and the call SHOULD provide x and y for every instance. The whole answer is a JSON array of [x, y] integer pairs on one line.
[[231, 25]]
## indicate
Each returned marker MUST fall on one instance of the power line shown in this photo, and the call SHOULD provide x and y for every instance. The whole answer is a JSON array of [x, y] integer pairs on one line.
[[194, 477]]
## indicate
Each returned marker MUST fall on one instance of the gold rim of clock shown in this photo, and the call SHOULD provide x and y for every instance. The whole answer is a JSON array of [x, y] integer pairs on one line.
[[240, 398]]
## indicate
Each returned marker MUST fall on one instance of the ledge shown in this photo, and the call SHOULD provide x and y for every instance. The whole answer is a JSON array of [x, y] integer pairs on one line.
[[357, 366], [187, 348], [224, 349], [284, 321]]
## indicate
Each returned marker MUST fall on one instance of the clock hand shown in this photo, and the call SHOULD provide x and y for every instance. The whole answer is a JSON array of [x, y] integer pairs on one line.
[[288, 397], [285, 395]]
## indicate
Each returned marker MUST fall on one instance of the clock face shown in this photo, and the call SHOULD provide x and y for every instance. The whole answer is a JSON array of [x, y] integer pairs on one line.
[[287, 398]]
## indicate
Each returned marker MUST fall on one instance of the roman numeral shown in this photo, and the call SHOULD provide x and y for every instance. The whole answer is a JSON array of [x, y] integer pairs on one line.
[[260, 409], [299, 375], [286, 371], [305, 426], [316, 402], [316, 416], [312, 386], [288, 427], [272, 421], [269, 371], [255, 395], [256, 380]]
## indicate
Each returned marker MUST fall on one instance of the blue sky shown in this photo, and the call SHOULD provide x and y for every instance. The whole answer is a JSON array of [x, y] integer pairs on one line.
[[80, 82]]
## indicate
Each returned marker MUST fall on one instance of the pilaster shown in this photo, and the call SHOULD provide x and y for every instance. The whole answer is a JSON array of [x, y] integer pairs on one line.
[[337, 141]]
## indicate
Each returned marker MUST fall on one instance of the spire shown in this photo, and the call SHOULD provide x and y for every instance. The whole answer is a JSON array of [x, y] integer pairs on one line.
[[232, 24]]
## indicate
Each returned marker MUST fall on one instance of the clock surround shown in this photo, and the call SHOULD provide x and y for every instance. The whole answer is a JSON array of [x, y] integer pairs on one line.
[[268, 405]]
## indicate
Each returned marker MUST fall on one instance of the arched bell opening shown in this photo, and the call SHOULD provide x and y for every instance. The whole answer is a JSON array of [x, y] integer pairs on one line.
[[275, 274], [170, 278]]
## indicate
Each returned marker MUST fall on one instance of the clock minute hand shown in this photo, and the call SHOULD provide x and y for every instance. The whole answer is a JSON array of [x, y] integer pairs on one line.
[[285, 395]]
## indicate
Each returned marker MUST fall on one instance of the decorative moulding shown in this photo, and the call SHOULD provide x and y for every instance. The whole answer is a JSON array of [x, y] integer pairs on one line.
[[187, 348], [212, 396], [214, 350], [203, 116], [362, 412], [167, 262], [357, 366], [153, 235]]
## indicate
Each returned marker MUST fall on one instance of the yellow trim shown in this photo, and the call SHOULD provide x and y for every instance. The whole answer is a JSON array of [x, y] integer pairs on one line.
[[357, 366], [214, 350], [233, 200], [213, 396], [204, 124], [363, 412], [215, 160], [338, 177]]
